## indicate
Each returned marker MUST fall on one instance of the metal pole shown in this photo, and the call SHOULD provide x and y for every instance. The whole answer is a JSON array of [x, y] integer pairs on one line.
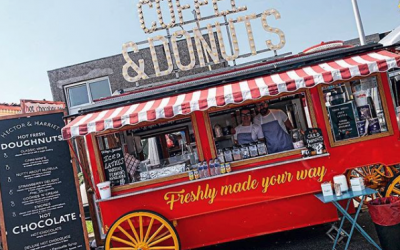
[[360, 28]]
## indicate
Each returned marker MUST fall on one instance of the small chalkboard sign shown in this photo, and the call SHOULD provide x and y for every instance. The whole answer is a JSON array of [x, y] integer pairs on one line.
[[314, 140], [343, 121], [114, 166]]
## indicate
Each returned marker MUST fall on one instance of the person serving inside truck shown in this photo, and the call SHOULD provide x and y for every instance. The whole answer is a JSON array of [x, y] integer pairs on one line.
[[247, 132], [275, 125]]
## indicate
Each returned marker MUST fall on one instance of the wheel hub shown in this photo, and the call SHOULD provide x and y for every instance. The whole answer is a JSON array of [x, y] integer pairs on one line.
[[373, 181], [143, 246]]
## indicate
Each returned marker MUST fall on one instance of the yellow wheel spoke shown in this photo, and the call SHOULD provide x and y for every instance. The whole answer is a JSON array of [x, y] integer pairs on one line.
[[156, 233], [148, 230], [161, 235], [141, 228], [160, 240], [358, 171], [396, 190], [386, 171], [370, 169], [127, 235], [115, 238], [122, 248], [133, 230], [161, 248], [377, 181]]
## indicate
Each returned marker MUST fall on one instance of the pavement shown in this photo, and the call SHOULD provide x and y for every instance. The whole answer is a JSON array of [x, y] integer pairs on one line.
[[309, 238]]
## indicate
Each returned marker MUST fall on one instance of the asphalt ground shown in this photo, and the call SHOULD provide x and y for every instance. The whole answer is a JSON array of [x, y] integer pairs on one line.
[[308, 238]]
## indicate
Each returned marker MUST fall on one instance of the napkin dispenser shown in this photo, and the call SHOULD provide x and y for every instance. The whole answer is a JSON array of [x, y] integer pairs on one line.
[[342, 180], [326, 189], [357, 184]]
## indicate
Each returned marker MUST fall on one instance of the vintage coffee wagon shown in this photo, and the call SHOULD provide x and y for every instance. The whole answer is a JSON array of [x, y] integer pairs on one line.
[[147, 147]]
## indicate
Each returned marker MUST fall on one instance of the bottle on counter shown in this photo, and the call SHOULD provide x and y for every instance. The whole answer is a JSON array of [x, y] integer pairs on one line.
[[205, 169], [222, 168], [190, 169], [191, 175], [228, 167], [245, 151], [196, 174], [217, 167], [201, 172], [212, 167]]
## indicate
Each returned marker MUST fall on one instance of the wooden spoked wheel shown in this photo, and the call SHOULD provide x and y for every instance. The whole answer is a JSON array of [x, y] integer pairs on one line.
[[375, 177], [393, 186], [142, 230]]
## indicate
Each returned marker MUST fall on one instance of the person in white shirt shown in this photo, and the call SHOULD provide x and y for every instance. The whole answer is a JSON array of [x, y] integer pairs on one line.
[[247, 132], [275, 126]]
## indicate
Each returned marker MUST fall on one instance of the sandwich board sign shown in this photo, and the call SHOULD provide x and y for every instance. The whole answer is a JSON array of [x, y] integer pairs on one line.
[[40, 205]]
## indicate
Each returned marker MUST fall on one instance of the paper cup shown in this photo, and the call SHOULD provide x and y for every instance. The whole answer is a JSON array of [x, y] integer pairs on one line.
[[104, 189]]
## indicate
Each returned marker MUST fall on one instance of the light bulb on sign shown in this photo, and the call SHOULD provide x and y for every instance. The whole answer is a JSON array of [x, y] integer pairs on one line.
[[155, 58], [222, 43], [270, 29], [139, 69], [210, 50], [189, 46]]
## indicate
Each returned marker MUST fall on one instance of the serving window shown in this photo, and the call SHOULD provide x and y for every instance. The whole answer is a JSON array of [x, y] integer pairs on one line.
[[355, 111], [157, 151], [261, 129]]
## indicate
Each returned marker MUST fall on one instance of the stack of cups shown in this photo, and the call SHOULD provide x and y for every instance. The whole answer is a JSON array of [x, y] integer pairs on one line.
[[104, 189]]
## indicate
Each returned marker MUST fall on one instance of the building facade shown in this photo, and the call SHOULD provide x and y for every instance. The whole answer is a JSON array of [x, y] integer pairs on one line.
[[80, 86]]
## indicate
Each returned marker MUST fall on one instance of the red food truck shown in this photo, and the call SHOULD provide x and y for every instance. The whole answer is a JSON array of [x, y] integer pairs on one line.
[[183, 177]]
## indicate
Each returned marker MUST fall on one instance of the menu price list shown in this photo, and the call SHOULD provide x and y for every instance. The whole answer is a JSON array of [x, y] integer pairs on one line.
[[39, 197], [114, 166], [343, 121]]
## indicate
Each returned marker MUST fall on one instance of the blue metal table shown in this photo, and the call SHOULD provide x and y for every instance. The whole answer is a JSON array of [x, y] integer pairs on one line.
[[349, 195]]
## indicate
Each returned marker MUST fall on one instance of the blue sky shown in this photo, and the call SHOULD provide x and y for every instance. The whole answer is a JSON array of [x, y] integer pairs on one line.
[[41, 35]]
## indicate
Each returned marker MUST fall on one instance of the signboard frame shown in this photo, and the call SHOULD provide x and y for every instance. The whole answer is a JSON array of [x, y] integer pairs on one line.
[[25, 102], [310, 141], [330, 112], [75, 176], [115, 151]]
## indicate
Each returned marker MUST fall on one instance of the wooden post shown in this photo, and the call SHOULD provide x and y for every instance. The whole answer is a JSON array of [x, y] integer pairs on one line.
[[89, 189], [73, 160]]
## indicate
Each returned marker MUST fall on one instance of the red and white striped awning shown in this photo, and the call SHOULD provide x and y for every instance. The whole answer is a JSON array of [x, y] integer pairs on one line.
[[233, 93]]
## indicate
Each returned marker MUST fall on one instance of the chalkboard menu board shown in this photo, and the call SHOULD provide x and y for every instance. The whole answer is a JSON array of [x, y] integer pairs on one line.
[[314, 140], [38, 192], [344, 124], [114, 166]]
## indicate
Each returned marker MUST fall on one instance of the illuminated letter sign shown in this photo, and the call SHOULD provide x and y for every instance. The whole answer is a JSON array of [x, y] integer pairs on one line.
[[206, 51]]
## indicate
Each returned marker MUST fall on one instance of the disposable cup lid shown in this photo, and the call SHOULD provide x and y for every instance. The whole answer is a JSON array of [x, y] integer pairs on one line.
[[101, 184]]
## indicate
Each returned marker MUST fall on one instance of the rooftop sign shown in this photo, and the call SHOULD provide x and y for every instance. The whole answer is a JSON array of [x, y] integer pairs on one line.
[[207, 51]]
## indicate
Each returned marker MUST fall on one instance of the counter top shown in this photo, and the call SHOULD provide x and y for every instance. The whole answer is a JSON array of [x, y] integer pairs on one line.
[[279, 163]]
